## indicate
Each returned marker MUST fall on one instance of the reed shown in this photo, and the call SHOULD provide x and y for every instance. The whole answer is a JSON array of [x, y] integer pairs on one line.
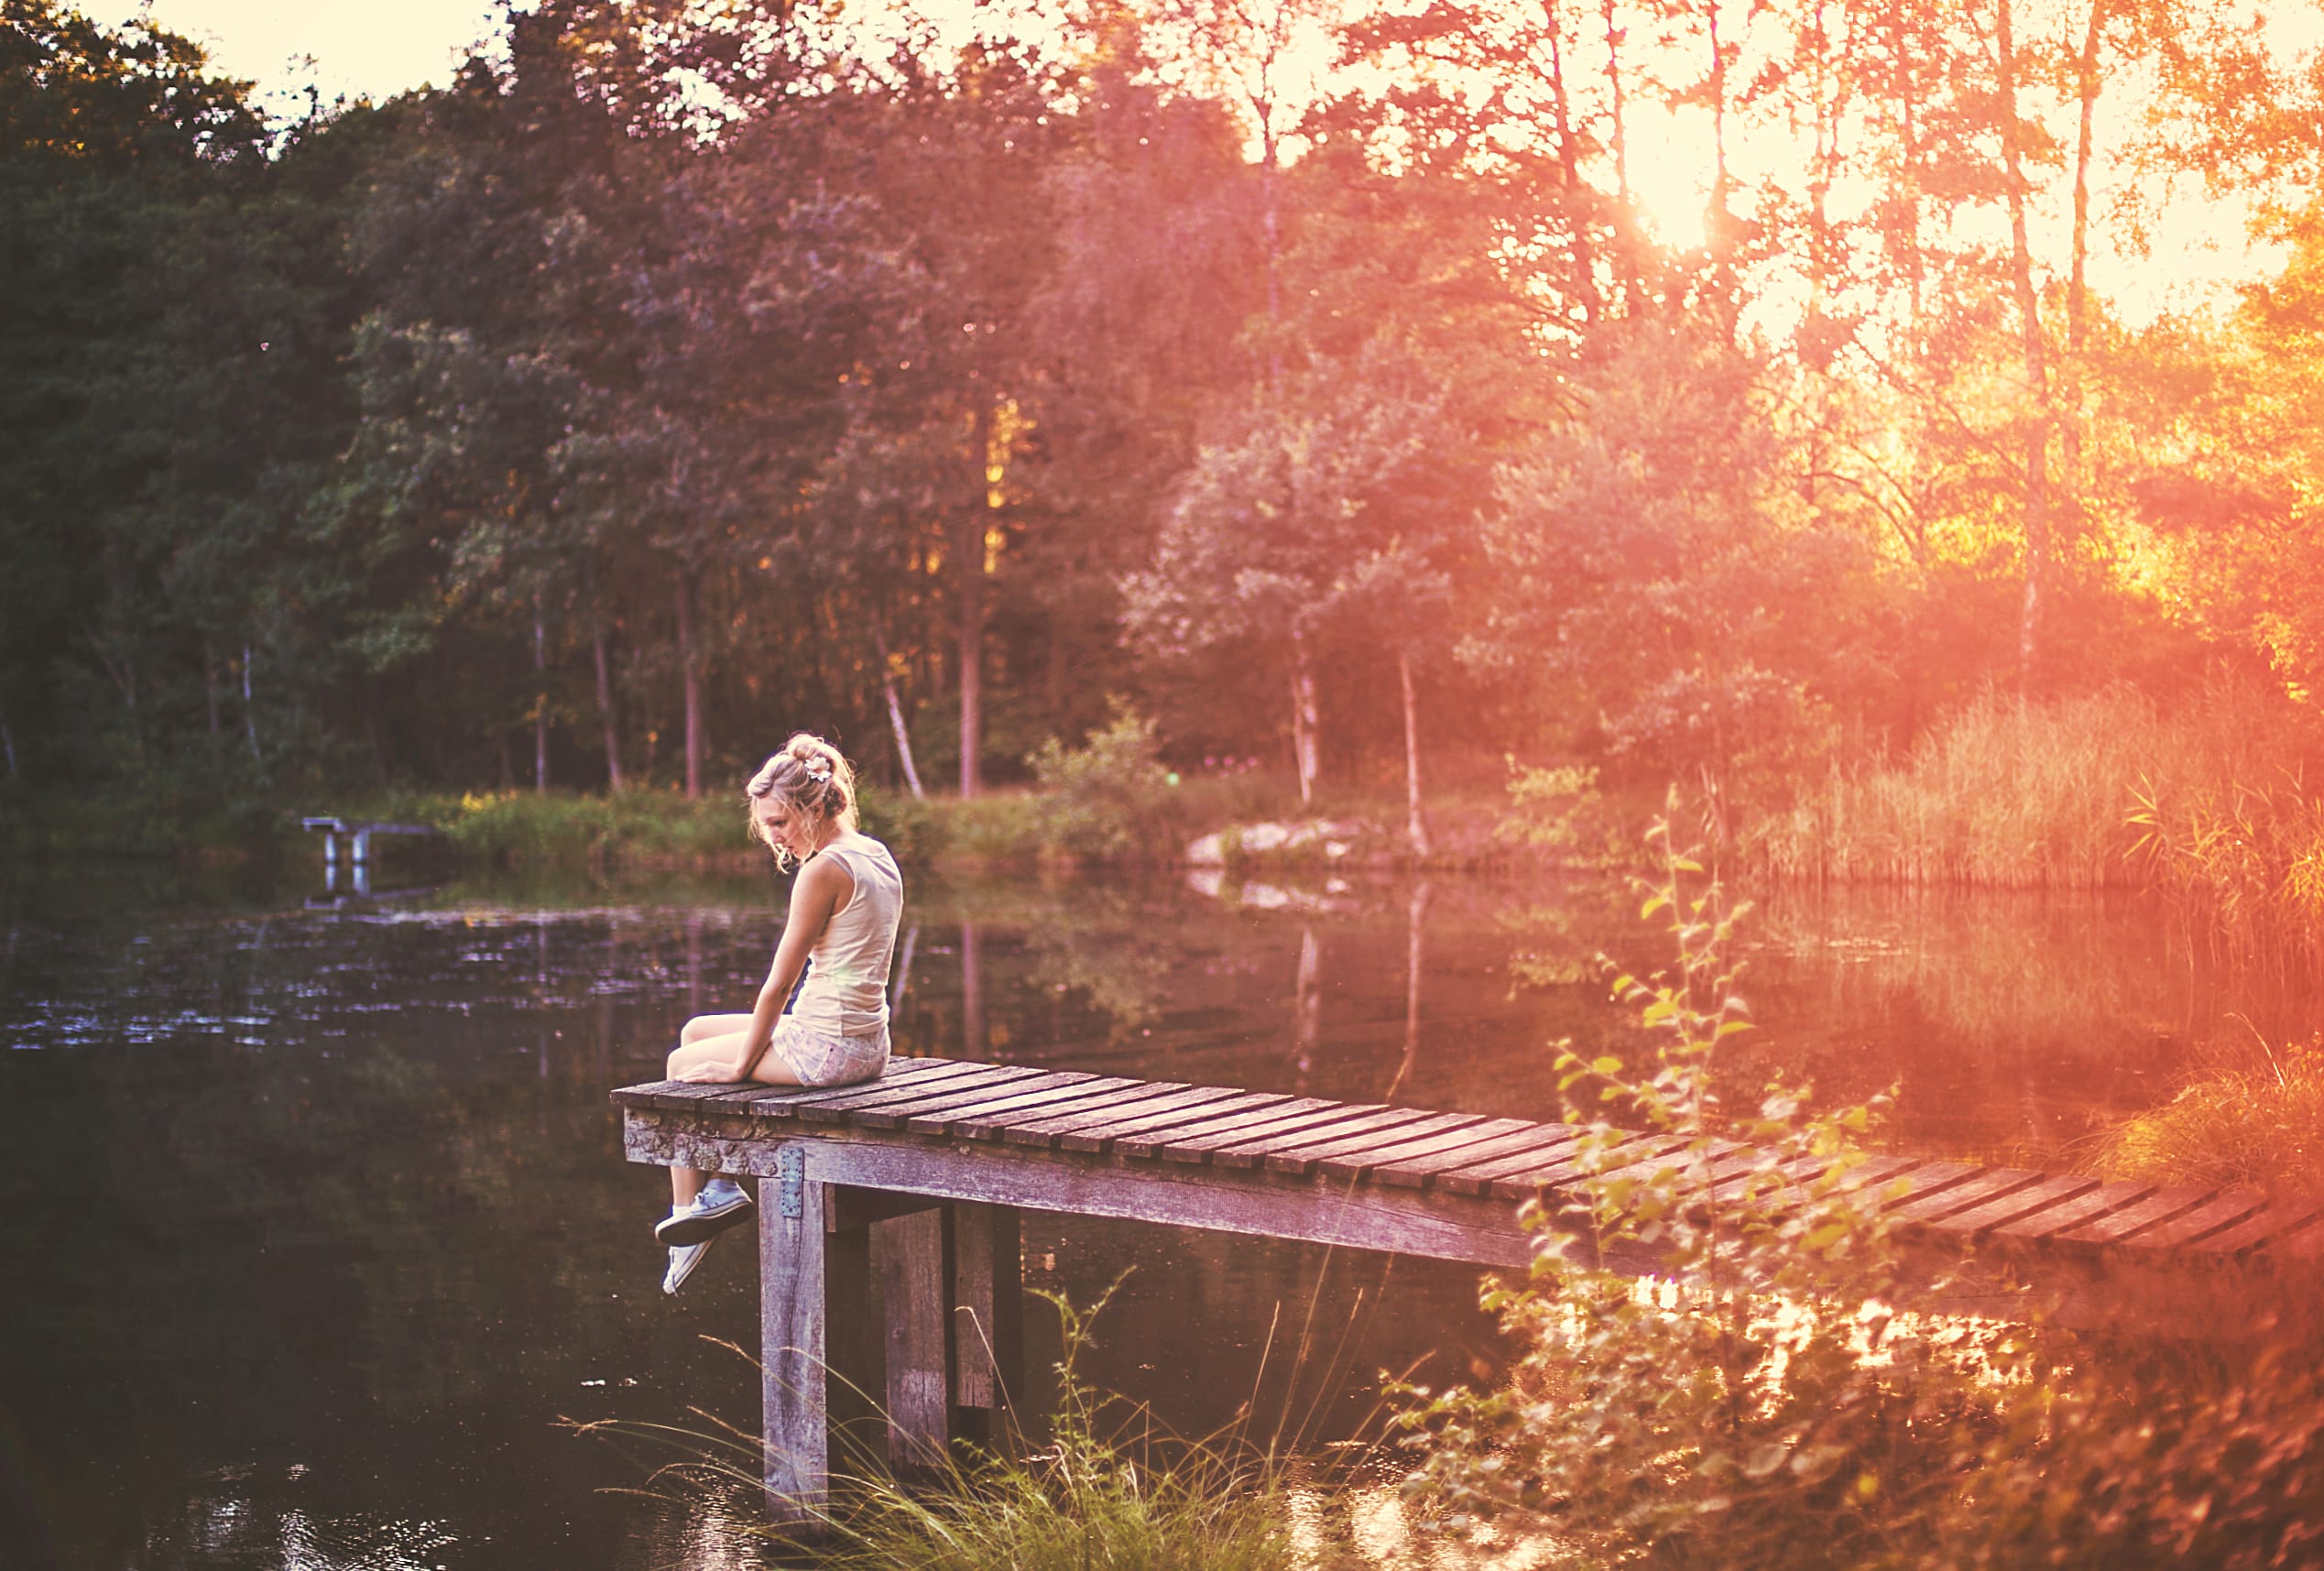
[[2260, 1124], [2107, 789]]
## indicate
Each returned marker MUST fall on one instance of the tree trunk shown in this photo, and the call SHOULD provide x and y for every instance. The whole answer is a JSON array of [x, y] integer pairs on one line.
[[693, 674], [1625, 214], [2037, 542], [1570, 166], [1303, 716], [895, 709], [1307, 1003], [1720, 231], [1902, 51], [1415, 819], [971, 994], [2076, 290], [540, 701], [970, 549], [1415, 953], [604, 709], [249, 707]]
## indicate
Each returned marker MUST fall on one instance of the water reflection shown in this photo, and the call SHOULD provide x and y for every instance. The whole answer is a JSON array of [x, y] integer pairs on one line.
[[314, 1222]]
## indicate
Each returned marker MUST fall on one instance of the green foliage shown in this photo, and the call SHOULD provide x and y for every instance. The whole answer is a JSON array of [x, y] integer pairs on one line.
[[1756, 1377], [2205, 799], [1109, 798], [1767, 1395], [2257, 1125], [1110, 1488], [1560, 813]]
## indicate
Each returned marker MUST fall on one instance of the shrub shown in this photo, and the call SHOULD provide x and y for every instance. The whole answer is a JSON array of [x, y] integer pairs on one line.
[[1762, 1399], [2261, 1126], [1110, 798]]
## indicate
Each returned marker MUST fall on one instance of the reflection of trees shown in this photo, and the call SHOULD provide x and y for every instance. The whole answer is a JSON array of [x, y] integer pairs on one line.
[[1113, 961]]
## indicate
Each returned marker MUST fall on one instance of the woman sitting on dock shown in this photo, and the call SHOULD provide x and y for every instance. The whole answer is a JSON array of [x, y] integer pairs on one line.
[[845, 907]]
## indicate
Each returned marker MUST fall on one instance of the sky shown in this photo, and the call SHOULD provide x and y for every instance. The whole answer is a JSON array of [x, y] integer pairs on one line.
[[359, 49], [376, 49]]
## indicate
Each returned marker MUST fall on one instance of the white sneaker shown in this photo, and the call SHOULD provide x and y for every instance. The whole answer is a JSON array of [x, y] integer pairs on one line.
[[715, 1209], [682, 1260]]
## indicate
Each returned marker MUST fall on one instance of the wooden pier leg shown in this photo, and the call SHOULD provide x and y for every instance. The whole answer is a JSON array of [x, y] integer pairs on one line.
[[792, 1317], [988, 1302], [908, 1260]]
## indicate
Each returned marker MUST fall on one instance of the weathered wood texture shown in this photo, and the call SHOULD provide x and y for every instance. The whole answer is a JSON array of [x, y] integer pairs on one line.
[[1403, 1180], [890, 1238]]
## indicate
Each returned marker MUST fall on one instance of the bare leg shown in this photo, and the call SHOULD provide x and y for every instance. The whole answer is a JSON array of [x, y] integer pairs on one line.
[[705, 1059]]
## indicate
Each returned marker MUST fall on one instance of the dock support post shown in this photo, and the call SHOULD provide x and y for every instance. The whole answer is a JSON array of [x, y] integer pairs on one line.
[[363, 847], [987, 1318], [330, 849], [910, 1257], [795, 1278]]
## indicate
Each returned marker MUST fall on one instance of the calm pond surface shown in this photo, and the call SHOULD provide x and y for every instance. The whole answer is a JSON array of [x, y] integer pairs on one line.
[[314, 1224]]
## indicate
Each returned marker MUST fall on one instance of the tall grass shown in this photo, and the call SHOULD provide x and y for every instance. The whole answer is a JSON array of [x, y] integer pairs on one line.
[[1110, 1486], [2259, 1124], [2206, 799]]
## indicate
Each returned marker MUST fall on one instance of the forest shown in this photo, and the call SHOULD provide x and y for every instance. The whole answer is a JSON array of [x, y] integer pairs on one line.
[[1335, 385]]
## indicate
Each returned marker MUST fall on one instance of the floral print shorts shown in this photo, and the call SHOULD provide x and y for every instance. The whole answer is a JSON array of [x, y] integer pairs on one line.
[[820, 1059]]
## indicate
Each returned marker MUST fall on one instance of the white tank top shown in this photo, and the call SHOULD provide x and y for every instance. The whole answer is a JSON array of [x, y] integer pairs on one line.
[[846, 993]]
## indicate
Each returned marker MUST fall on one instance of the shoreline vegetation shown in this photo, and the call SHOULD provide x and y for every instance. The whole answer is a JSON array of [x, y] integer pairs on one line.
[[2206, 801]]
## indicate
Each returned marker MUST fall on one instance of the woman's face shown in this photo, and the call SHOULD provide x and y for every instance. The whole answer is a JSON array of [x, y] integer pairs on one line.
[[783, 828]]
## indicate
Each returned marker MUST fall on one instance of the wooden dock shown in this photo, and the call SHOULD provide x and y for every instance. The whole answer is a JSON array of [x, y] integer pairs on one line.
[[889, 1232]]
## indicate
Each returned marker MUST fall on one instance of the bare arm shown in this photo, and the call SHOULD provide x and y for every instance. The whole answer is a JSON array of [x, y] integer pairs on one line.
[[822, 886]]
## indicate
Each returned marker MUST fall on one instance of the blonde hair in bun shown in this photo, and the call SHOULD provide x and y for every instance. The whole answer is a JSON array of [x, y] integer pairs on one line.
[[812, 779]]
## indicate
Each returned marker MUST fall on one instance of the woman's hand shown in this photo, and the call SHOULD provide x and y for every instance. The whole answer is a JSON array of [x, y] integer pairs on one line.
[[710, 1074]]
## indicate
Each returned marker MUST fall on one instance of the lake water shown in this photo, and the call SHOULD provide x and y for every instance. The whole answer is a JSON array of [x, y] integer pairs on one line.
[[314, 1224]]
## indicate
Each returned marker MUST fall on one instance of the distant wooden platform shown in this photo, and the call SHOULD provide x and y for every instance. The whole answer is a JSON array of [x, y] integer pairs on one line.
[[888, 1233]]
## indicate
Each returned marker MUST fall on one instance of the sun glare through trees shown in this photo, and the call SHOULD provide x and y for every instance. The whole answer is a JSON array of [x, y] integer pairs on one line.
[[1724, 392]]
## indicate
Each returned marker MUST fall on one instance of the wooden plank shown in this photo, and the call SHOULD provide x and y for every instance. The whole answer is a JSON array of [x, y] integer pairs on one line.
[[1194, 1148], [1922, 1182], [1981, 1185], [1401, 1221], [2129, 1220], [1421, 1147], [1040, 1090], [1651, 1165], [1096, 1137], [1734, 1180], [2048, 1227], [2280, 1218], [2027, 1204], [908, 1257], [992, 1124], [670, 1096], [1361, 1147], [2303, 1248], [777, 1102], [892, 1115], [842, 1108], [793, 1360], [1476, 1176], [2221, 1211], [1088, 1131], [1147, 1144], [1044, 1131], [987, 1304], [683, 1096], [1522, 1179], [1254, 1153]]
